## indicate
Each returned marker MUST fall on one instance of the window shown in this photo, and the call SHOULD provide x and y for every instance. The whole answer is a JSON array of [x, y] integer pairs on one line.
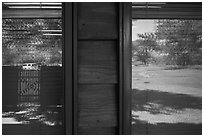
[[166, 70], [32, 59]]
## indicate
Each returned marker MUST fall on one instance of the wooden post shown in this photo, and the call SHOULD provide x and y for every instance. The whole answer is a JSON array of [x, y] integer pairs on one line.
[[125, 70]]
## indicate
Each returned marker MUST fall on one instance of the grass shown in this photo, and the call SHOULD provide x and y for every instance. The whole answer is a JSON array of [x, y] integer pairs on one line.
[[166, 100], [183, 81]]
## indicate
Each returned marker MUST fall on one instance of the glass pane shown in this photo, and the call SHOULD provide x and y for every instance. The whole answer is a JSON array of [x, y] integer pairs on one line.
[[32, 76], [166, 76]]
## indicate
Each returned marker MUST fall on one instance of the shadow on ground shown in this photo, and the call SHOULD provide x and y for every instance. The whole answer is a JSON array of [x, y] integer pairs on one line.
[[151, 110], [166, 129], [176, 101]]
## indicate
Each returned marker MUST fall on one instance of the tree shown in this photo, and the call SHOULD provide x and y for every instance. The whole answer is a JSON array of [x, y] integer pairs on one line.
[[144, 45], [24, 41], [182, 40]]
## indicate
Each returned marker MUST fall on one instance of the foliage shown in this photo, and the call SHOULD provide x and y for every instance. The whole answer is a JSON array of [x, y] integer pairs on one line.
[[178, 41], [181, 40], [144, 45], [24, 41]]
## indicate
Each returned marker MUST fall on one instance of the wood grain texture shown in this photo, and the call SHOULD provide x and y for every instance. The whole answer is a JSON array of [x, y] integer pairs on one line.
[[97, 62], [97, 20], [97, 105], [98, 131], [97, 68]]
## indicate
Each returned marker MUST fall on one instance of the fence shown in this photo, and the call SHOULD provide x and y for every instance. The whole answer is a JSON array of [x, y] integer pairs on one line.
[[44, 85]]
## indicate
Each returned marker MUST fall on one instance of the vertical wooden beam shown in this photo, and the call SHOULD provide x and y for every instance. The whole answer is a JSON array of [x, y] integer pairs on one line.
[[75, 70], [120, 69], [127, 66], [67, 67], [125, 71]]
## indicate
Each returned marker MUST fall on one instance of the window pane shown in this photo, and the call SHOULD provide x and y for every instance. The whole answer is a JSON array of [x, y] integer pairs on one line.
[[32, 75], [166, 76]]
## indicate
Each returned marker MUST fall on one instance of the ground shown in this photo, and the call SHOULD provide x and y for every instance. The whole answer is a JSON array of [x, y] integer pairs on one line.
[[167, 99]]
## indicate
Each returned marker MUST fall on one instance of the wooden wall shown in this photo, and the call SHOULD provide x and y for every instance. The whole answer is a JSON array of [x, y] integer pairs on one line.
[[97, 64]]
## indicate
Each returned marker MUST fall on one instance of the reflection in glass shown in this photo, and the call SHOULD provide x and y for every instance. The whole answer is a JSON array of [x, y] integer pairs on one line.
[[166, 76], [32, 76]]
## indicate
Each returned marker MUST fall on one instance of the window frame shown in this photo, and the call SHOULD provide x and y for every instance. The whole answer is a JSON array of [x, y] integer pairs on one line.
[[68, 57], [125, 70], [68, 67], [128, 14]]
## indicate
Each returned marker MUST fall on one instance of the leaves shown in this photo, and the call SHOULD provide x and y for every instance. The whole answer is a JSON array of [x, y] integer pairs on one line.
[[24, 41], [180, 39]]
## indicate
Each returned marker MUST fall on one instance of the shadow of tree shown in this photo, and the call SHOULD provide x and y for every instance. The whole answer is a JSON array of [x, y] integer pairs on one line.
[[155, 102], [166, 99], [142, 128]]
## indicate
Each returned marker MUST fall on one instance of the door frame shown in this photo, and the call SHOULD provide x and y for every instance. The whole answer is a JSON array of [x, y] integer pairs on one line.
[[125, 69], [68, 67]]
